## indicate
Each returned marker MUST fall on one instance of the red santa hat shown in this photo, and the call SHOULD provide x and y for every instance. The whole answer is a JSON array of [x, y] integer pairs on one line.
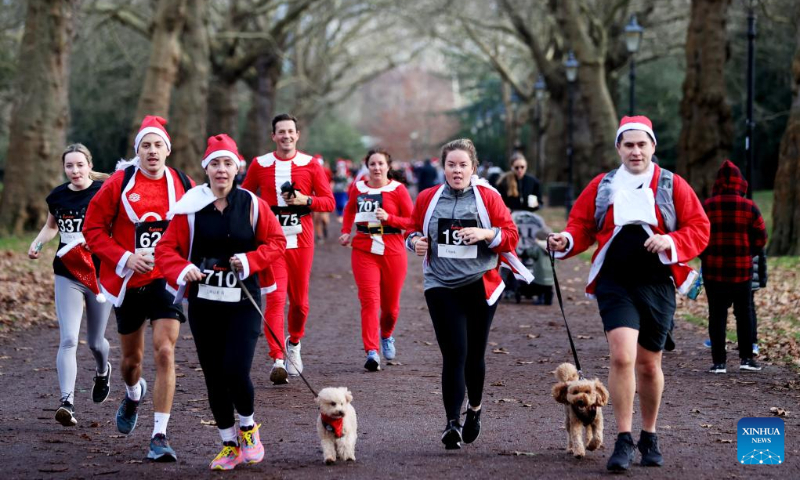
[[221, 146], [152, 124], [78, 260], [639, 122]]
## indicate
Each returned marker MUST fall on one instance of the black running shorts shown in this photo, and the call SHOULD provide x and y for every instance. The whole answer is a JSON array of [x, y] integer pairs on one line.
[[647, 308], [152, 301]]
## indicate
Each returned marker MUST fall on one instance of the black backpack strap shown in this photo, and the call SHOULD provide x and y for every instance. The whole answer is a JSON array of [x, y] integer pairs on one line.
[[129, 171], [185, 181]]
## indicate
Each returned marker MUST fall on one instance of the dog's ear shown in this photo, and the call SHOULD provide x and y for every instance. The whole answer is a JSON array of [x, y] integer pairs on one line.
[[348, 395], [560, 392], [602, 393]]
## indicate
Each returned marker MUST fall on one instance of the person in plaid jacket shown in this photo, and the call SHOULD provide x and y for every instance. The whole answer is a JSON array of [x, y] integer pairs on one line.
[[737, 233]]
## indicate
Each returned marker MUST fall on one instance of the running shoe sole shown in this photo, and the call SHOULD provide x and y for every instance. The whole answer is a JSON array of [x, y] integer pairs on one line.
[[162, 458], [451, 440], [65, 417]]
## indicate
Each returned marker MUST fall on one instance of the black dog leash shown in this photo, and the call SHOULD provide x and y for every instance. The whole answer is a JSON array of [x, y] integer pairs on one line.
[[274, 337], [552, 255]]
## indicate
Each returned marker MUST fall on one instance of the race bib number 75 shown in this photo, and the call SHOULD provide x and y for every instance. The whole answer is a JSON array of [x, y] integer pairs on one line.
[[451, 245]]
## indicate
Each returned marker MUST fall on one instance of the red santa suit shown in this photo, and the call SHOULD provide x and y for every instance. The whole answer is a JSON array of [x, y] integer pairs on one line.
[[379, 258], [111, 226], [492, 213], [292, 271], [688, 240]]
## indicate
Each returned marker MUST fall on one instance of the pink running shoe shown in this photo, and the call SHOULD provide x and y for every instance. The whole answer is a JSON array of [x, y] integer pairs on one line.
[[228, 458], [250, 441]]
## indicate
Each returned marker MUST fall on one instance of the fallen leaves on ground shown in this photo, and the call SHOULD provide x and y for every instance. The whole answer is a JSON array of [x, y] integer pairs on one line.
[[777, 309], [779, 412], [26, 290]]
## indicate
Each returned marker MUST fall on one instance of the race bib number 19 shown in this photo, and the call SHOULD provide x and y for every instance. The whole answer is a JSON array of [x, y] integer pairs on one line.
[[148, 234], [367, 206], [451, 245]]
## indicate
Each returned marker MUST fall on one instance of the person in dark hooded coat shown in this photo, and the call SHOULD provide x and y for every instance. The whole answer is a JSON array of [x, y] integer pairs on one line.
[[737, 234]]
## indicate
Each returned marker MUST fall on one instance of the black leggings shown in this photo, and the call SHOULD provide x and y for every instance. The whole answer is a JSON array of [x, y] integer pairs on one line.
[[720, 297], [225, 336], [461, 318]]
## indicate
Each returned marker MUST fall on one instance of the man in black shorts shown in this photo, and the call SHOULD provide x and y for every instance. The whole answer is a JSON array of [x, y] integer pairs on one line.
[[648, 223], [124, 222]]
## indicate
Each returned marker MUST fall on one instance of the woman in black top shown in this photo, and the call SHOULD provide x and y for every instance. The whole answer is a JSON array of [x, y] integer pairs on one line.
[[67, 205], [519, 190]]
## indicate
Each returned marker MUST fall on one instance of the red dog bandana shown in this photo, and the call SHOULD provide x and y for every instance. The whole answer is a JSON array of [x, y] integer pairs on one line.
[[333, 425]]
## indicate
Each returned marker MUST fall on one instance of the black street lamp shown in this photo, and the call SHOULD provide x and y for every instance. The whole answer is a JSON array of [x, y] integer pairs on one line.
[[633, 38], [540, 87], [571, 69], [751, 83]]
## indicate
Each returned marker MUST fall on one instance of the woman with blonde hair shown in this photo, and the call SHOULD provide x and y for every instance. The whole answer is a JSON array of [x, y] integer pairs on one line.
[[519, 190], [75, 279]]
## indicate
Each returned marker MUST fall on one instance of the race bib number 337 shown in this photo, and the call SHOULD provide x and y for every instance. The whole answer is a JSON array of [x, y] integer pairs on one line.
[[451, 245]]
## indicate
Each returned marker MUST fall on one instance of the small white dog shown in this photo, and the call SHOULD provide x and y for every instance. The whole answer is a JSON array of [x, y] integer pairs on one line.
[[337, 425]]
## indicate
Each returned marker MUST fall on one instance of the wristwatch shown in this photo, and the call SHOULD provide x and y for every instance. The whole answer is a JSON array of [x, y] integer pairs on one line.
[[308, 201]]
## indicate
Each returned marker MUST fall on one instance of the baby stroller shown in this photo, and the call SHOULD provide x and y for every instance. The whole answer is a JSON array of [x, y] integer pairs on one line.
[[528, 224]]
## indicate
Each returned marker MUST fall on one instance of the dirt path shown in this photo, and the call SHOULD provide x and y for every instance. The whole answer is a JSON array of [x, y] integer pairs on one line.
[[400, 410]]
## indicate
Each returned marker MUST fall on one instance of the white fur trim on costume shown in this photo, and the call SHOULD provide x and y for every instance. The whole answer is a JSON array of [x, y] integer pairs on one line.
[[182, 277], [662, 255], [498, 236], [496, 294], [570, 244], [122, 270], [220, 153], [245, 265], [684, 288], [122, 164], [66, 248], [148, 130], [269, 289], [635, 126], [193, 201], [362, 187]]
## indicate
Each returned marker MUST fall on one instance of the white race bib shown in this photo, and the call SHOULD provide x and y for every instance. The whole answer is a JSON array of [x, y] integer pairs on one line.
[[451, 245], [633, 207], [67, 237], [367, 206], [219, 294]]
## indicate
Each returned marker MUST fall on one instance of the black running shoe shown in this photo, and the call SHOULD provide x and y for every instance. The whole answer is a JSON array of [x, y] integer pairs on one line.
[[65, 414], [648, 446], [472, 426], [101, 386], [624, 451], [749, 364], [451, 437]]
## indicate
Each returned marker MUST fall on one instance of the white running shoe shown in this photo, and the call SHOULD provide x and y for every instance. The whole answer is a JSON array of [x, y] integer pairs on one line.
[[278, 373], [294, 364]]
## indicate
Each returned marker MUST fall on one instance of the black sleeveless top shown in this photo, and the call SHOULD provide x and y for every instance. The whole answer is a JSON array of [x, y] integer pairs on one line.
[[220, 235]]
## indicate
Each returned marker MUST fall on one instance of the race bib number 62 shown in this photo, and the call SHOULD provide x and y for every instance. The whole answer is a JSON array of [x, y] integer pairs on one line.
[[148, 234]]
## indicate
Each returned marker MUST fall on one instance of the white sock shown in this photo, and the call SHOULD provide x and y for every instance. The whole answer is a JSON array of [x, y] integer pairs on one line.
[[474, 409], [246, 420], [134, 392], [229, 435], [160, 423]]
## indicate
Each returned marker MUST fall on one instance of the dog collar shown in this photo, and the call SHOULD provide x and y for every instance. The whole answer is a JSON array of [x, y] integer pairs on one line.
[[333, 425]]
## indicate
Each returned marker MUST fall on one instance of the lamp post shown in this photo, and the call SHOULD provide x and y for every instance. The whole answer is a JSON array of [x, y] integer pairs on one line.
[[571, 69], [633, 38], [540, 87], [751, 83]]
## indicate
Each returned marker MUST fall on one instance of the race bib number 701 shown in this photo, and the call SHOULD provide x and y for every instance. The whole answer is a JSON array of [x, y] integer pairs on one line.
[[451, 245], [367, 205]]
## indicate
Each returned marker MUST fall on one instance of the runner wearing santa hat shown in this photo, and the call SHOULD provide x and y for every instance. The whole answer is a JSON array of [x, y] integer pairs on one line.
[[294, 186], [648, 223], [465, 233], [380, 208], [75, 280], [124, 223], [221, 232]]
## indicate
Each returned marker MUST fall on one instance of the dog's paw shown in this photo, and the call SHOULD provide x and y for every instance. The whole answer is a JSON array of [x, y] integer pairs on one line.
[[350, 459], [594, 444], [579, 455], [330, 461]]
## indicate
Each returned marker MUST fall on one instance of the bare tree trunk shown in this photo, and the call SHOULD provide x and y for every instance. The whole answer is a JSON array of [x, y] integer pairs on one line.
[[785, 239], [191, 93], [598, 110], [40, 116], [222, 109], [256, 139], [707, 129], [162, 68]]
